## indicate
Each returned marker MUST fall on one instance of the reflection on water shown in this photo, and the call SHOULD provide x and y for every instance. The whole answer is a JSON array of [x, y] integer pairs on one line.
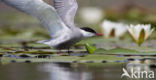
[[63, 72], [138, 65], [66, 71], [141, 69]]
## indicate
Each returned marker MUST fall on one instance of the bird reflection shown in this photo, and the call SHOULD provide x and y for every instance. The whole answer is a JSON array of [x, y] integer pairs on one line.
[[64, 72]]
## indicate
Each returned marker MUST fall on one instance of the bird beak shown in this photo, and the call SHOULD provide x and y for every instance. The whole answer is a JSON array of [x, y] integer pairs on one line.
[[99, 34]]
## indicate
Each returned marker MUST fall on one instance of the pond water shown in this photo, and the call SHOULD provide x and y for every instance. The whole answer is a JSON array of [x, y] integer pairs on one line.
[[33, 61], [69, 71]]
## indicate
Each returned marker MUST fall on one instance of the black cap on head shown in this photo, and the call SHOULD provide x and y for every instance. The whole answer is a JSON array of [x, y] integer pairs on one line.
[[88, 29]]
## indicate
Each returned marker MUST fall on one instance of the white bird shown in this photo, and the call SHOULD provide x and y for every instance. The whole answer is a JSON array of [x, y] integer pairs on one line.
[[59, 20]]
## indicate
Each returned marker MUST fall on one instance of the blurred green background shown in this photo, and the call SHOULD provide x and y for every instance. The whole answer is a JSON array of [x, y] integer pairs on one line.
[[17, 25]]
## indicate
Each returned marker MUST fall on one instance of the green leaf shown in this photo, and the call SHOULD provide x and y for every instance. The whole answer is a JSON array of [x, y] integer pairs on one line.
[[99, 58], [90, 48], [123, 51]]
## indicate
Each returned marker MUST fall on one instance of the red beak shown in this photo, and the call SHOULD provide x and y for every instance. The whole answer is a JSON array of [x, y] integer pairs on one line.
[[99, 34]]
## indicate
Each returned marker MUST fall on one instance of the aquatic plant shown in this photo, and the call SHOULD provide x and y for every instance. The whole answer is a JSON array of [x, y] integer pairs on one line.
[[140, 32], [113, 29]]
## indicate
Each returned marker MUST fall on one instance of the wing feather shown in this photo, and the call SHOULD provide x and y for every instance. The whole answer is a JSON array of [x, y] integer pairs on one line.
[[67, 10], [42, 11]]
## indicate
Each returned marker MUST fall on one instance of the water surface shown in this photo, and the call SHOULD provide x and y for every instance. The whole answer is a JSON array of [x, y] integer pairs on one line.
[[66, 71]]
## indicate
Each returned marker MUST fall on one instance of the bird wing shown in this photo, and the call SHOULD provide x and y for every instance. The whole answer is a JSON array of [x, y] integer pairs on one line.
[[67, 10], [42, 11]]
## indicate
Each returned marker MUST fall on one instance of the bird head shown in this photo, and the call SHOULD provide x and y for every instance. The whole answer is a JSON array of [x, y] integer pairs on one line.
[[88, 32]]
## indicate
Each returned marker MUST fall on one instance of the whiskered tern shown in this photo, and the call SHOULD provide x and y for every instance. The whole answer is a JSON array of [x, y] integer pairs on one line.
[[59, 20]]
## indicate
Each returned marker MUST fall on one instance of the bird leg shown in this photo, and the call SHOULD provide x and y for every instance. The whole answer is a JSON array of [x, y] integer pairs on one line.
[[68, 51], [59, 52]]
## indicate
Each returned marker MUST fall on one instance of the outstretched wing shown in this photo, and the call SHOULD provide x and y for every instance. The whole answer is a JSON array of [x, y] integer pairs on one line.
[[67, 10], [42, 11]]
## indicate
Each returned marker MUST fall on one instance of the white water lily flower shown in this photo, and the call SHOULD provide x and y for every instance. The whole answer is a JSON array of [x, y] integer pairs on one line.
[[113, 29], [140, 32], [91, 14]]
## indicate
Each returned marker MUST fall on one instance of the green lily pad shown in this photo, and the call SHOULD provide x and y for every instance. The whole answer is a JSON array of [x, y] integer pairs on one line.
[[123, 51], [99, 58], [69, 59], [86, 59], [35, 52]]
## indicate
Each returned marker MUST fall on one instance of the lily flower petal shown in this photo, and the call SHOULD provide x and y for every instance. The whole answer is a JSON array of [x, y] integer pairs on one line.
[[140, 32], [113, 28]]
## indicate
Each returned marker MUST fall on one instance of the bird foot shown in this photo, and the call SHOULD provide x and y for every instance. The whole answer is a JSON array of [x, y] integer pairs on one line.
[[69, 52], [59, 52]]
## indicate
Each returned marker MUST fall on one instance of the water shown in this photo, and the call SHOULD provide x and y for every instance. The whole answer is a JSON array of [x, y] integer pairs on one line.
[[51, 71], [67, 71]]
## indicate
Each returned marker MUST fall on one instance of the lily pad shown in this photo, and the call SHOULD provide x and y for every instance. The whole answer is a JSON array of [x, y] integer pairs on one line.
[[123, 51], [100, 58]]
